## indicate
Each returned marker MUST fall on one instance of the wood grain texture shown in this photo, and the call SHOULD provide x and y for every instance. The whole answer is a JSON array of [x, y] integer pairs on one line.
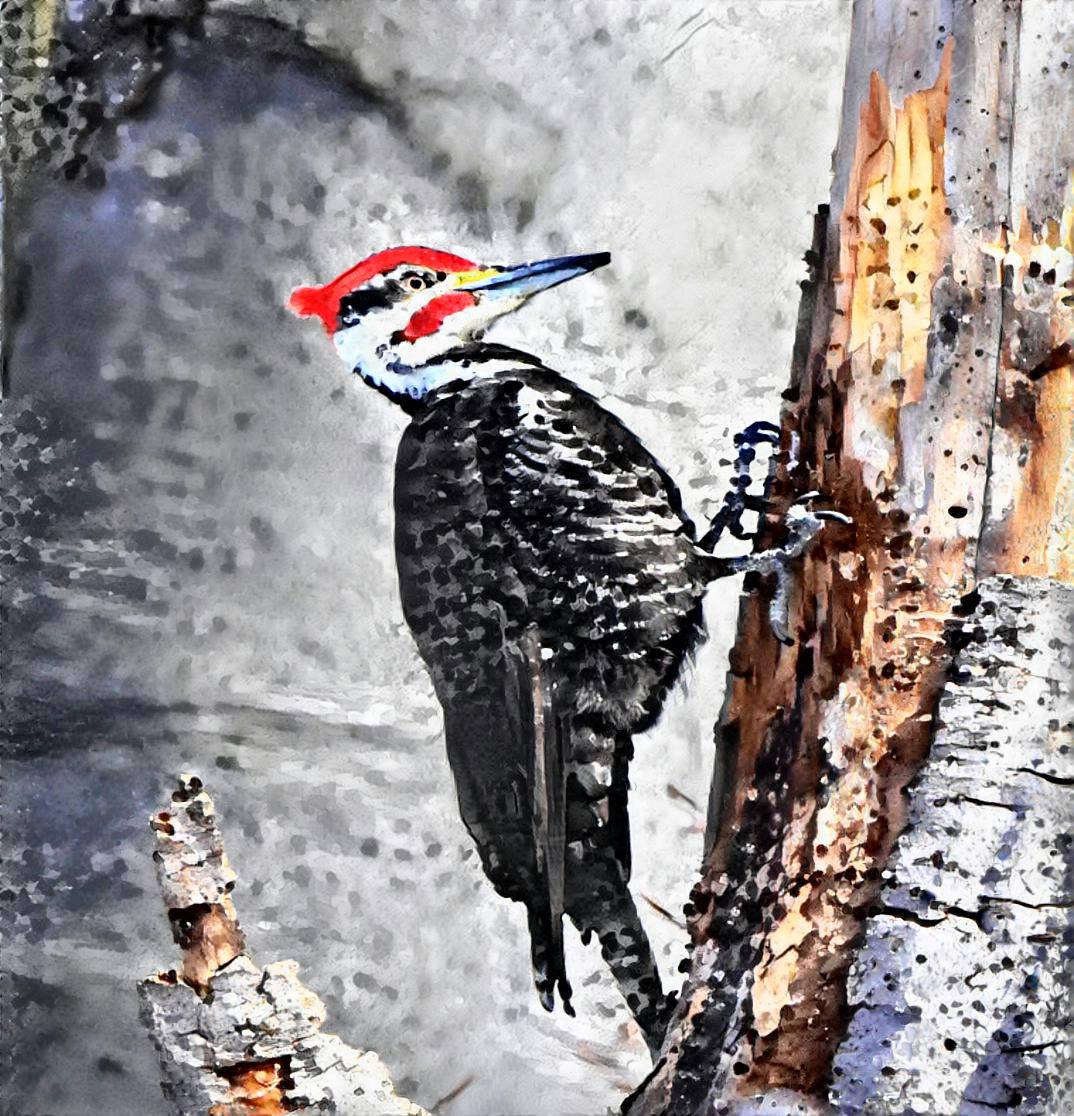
[[236, 1039], [915, 345], [1029, 527]]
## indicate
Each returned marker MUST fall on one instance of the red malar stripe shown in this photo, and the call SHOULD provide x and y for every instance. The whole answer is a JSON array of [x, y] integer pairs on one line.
[[431, 316]]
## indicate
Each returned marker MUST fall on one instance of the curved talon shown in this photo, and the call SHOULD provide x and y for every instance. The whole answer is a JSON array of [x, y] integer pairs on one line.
[[737, 501], [748, 502], [803, 525], [759, 432]]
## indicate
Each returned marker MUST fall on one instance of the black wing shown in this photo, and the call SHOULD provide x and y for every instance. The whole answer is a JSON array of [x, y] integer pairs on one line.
[[546, 572], [468, 612], [602, 549]]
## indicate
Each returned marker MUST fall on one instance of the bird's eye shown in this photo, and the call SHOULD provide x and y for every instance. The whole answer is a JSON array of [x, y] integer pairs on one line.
[[416, 282]]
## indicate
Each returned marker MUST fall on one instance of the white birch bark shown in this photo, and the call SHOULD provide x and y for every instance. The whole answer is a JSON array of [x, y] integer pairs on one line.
[[961, 992]]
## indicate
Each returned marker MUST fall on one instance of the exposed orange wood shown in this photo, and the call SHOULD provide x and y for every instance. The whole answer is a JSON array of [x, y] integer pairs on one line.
[[209, 940], [873, 616], [255, 1089], [208, 934]]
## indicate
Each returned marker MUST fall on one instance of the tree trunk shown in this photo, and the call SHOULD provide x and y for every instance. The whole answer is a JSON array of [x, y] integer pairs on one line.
[[929, 684]]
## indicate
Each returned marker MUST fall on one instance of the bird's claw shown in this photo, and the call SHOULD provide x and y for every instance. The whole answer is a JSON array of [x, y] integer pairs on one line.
[[737, 500], [757, 433], [802, 521], [803, 524]]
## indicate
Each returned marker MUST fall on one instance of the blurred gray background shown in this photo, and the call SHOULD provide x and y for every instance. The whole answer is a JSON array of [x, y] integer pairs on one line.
[[197, 500]]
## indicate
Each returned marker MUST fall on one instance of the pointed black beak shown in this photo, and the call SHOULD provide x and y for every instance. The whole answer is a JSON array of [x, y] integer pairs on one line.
[[524, 280]]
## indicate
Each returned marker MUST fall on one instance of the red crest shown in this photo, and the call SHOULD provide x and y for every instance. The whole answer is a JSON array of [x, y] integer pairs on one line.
[[323, 302]]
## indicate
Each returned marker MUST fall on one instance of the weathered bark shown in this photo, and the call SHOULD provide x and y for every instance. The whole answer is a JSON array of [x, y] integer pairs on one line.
[[961, 989], [235, 1039], [931, 400]]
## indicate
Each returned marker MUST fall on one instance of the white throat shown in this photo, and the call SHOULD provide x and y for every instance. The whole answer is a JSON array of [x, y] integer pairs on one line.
[[414, 374]]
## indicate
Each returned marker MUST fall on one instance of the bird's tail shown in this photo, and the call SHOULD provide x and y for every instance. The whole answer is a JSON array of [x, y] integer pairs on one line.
[[547, 809], [549, 966], [606, 908]]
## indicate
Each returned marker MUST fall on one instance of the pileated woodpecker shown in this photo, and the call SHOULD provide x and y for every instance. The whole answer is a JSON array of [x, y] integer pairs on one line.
[[551, 580]]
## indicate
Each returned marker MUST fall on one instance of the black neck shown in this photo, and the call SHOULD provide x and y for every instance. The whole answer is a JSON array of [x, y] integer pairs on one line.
[[473, 353]]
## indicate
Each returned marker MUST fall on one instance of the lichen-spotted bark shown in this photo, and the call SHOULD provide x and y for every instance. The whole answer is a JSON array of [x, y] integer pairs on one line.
[[890, 416], [197, 892], [1030, 528], [961, 987], [236, 1039]]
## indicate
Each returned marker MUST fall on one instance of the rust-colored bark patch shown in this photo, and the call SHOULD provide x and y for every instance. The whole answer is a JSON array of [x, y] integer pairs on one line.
[[254, 1089], [210, 937], [849, 709], [197, 879]]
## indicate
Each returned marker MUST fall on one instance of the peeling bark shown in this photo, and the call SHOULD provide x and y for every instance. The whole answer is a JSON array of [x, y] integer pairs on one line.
[[930, 399], [1029, 521], [236, 1039]]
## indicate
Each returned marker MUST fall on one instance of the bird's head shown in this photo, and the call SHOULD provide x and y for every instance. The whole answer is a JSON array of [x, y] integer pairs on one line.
[[396, 317]]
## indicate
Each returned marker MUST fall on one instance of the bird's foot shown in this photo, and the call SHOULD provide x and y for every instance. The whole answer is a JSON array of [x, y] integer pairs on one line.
[[548, 985], [739, 499], [803, 524]]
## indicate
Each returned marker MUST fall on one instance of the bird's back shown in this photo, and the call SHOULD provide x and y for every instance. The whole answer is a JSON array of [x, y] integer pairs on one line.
[[551, 581], [521, 502]]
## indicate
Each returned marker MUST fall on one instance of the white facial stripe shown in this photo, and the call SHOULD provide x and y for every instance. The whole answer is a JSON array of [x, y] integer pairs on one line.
[[410, 367], [382, 367], [357, 348]]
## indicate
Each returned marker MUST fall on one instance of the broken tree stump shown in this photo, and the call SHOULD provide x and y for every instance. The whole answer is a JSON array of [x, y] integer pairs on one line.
[[931, 399], [236, 1039]]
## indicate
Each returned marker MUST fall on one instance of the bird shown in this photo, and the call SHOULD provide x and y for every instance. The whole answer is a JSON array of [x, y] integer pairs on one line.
[[552, 582]]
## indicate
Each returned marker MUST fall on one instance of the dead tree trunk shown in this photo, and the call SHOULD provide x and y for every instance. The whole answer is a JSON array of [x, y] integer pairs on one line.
[[234, 1038], [835, 961]]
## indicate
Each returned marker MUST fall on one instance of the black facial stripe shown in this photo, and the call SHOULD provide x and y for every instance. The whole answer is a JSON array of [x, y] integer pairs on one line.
[[357, 303]]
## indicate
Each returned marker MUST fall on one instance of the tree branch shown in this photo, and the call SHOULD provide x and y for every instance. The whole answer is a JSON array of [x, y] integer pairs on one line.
[[235, 1039]]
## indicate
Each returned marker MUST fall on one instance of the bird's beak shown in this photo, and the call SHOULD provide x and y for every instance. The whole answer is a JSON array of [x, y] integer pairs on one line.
[[524, 280]]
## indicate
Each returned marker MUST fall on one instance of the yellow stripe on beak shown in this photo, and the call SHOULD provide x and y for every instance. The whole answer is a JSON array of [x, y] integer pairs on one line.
[[478, 275]]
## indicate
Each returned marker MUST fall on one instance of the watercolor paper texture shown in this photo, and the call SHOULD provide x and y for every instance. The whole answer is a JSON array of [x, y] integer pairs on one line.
[[404, 567]]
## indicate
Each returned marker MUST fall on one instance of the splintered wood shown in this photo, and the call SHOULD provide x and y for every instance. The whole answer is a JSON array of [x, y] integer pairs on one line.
[[931, 400], [235, 1039], [1030, 528], [862, 687], [197, 893]]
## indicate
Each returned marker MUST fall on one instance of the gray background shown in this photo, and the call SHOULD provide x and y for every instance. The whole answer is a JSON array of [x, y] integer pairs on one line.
[[203, 577]]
